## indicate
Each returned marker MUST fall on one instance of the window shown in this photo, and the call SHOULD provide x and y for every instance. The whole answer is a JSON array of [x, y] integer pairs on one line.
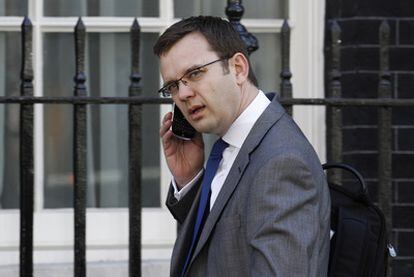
[[108, 68]]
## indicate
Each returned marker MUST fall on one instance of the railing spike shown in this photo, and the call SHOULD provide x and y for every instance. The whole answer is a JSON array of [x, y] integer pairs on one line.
[[135, 36], [80, 24], [26, 21], [135, 25], [80, 77]]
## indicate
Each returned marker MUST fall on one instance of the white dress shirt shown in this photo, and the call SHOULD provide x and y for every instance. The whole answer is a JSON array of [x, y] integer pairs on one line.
[[235, 137]]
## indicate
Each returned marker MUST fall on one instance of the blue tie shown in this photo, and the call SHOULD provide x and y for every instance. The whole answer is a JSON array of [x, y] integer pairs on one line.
[[212, 164]]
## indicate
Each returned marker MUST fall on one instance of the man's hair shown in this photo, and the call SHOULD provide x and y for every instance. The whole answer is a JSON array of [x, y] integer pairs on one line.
[[219, 33]]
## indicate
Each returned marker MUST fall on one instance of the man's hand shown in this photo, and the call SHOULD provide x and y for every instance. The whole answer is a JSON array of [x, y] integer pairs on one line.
[[185, 158]]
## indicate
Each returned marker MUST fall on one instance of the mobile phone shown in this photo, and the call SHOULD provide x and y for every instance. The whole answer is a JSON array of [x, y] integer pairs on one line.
[[181, 128]]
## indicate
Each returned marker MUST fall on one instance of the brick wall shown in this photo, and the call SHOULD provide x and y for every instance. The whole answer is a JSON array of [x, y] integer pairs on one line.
[[359, 22]]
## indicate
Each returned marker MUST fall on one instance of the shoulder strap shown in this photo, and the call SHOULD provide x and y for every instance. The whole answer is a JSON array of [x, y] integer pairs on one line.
[[362, 194]]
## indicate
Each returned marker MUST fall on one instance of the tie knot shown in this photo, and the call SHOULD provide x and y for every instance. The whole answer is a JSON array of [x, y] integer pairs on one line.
[[218, 148]]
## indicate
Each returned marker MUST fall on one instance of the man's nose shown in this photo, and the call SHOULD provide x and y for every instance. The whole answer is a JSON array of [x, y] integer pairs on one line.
[[184, 91]]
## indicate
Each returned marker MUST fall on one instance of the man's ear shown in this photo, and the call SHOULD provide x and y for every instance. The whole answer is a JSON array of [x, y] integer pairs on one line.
[[241, 67]]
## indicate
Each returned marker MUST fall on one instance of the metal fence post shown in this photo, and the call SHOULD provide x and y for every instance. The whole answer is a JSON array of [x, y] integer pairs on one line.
[[384, 132], [334, 118], [26, 155], [286, 85], [79, 151], [134, 142]]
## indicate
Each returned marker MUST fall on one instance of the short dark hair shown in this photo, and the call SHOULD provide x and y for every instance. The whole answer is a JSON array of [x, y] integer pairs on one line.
[[220, 34]]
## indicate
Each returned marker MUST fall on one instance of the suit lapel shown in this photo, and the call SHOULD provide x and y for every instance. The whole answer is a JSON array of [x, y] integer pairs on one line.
[[269, 117]]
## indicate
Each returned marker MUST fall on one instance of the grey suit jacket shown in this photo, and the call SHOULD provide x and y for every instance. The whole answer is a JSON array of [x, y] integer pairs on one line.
[[271, 217]]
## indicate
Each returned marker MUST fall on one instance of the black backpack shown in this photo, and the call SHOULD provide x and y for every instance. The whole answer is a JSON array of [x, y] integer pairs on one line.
[[359, 245]]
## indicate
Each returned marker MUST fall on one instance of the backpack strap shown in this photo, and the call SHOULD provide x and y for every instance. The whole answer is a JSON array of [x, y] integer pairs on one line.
[[362, 194]]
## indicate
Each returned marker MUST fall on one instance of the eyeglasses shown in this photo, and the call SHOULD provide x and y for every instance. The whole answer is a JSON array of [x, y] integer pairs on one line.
[[192, 76]]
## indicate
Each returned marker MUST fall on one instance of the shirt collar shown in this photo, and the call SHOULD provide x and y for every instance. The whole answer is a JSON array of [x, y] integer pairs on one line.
[[240, 129]]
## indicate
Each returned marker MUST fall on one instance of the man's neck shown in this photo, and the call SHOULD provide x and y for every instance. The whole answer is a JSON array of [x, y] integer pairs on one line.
[[249, 93]]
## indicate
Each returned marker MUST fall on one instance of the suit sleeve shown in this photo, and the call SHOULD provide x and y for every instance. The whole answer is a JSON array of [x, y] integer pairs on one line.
[[285, 209], [179, 209]]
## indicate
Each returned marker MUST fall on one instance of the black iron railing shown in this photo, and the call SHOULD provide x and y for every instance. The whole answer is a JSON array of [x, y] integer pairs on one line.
[[135, 100], [79, 153], [26, 155], [134, 144], [334, 115]]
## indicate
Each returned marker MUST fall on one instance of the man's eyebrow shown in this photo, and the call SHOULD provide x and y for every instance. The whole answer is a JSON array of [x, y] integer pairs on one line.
[[193, 67]]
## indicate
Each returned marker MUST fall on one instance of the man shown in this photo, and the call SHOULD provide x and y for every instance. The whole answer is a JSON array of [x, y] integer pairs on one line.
[[267, 206]]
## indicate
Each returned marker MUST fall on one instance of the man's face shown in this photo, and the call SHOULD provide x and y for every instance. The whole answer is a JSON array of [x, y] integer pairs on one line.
[[211, 103]]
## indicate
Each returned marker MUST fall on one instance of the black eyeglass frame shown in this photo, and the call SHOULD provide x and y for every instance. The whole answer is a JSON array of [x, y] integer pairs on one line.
[[164, 89]]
